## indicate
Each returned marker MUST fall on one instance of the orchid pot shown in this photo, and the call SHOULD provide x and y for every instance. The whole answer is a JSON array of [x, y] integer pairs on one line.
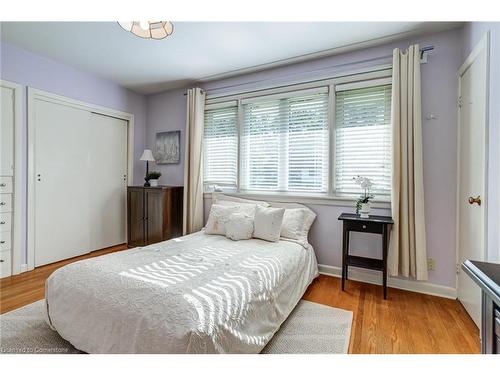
[[364, 211]]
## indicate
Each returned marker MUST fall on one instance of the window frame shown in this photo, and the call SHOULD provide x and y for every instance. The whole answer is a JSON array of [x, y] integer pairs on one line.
[[355, 80]]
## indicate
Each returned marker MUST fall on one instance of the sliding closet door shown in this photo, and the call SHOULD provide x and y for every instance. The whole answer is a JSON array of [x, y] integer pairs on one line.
[[62, 175], [108, 187]]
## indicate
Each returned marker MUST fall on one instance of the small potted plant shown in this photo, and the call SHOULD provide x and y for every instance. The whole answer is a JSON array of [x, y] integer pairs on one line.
[[153, 178], [363, 203]]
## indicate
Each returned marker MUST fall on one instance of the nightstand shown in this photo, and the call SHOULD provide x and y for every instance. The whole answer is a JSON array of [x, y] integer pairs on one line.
[[372, 224]]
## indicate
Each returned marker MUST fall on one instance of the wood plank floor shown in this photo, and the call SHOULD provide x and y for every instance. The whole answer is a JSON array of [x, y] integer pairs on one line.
[[405, 323]]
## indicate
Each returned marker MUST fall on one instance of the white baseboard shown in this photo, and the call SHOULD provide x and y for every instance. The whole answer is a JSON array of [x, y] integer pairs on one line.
[[374, 277], [24, 268]]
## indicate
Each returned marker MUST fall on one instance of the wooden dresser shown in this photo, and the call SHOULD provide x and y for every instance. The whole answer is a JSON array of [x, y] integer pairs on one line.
[[154, 214]]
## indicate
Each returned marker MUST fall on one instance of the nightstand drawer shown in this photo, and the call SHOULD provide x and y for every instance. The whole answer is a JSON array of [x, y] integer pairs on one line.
[[364, 227], [5, 222]]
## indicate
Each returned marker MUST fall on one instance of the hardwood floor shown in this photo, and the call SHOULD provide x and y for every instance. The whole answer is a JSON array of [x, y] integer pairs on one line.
[[405, 323]]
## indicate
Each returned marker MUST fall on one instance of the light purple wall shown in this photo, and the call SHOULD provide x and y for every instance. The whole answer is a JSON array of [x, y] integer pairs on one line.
[[29, 69], [167, 111], [473, 32]]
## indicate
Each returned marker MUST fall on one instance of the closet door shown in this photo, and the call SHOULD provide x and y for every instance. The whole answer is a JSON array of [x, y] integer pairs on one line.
[[61, 168], [108, 181]]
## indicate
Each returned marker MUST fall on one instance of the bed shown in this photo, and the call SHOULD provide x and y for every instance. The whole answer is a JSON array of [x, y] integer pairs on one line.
[[195, 294]]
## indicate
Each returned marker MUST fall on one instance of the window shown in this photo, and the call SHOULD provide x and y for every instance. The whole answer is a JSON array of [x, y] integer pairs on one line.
[[311, 140], [284, 144], [363, 138], [220, 147]]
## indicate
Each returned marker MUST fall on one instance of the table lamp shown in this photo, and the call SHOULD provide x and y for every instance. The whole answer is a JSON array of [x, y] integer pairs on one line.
[[147, 156]]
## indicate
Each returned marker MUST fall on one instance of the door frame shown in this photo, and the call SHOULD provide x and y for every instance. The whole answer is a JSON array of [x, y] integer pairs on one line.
[[36, 94], [482, 45], [18, 163]]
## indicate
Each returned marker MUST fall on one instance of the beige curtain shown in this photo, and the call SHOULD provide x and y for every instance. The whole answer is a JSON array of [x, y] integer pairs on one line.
[[407, 251], [193, 171]]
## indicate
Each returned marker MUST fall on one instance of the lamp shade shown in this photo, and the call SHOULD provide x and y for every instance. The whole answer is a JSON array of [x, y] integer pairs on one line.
[[147, 155]]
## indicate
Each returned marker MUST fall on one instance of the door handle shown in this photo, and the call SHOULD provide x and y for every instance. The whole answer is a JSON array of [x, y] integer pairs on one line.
[[3, 185], [477, 200]]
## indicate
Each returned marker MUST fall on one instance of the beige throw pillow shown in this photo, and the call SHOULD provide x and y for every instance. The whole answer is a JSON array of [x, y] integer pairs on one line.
[[267, 223]]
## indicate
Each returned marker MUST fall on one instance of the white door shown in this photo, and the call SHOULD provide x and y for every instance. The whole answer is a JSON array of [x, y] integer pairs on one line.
[[7, 132], [108, 194], [472, 174], [80, 167], [62, 210]]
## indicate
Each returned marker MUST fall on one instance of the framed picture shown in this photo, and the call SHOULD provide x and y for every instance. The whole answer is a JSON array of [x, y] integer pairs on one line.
[[167, 150]]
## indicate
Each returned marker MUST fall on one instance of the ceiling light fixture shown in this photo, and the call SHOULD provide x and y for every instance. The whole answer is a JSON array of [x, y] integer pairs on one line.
[[149, 29]]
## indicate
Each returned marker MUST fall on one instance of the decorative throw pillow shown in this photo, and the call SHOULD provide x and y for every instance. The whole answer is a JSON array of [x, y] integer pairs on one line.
[[219, 216], [267, 223], [239, 227]]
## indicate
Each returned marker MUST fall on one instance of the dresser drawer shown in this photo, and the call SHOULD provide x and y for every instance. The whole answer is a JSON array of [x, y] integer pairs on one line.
[[5, 184], [5, 202], [364, 227], [5, 222], [5, 263], [5, 241]]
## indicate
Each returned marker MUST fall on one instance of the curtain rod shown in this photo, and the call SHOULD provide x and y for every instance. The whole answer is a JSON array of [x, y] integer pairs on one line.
[[422, 51]]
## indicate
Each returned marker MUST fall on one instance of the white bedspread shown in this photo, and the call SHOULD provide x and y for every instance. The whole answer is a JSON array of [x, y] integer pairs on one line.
[[196, 294]]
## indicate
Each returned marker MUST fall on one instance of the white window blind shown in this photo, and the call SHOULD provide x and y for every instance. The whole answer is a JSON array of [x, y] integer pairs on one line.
[[220, 147], [363, 139], [284, 144]]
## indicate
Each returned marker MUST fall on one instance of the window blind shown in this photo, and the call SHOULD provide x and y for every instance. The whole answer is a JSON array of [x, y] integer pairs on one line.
[[284, 144], [363, 139], [220, 147]]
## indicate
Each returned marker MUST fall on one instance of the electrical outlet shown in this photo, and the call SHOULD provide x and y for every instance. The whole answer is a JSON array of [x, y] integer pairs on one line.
[[431, 265]]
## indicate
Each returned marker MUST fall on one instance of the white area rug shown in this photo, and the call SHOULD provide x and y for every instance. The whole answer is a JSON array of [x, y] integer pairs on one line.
[[311, 328]]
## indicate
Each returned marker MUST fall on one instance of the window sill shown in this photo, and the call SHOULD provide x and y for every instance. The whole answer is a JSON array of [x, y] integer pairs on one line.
[[319, 199]]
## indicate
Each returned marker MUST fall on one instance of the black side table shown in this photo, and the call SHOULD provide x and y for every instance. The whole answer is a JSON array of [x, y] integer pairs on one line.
[[372, 224]]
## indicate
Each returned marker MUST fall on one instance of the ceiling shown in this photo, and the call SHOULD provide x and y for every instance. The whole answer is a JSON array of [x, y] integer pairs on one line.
[[197, 51]]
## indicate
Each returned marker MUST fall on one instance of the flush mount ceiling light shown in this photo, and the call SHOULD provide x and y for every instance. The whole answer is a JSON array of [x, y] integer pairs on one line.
[[149, 29]]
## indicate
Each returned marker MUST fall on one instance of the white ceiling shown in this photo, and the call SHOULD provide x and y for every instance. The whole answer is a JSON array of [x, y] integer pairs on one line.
[[197, 51]]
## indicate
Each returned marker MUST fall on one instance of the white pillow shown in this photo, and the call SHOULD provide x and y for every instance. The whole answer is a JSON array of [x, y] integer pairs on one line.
[[267, 223], [219, 216], [239, 227], [231, 203], [296, 224], [216, 197]]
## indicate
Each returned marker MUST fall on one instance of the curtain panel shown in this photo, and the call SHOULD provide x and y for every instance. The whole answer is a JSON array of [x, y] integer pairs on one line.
[[193, 164], [407, 250]]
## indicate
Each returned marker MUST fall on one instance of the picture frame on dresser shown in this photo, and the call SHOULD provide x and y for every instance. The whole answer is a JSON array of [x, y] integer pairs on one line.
[[10, 179]]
